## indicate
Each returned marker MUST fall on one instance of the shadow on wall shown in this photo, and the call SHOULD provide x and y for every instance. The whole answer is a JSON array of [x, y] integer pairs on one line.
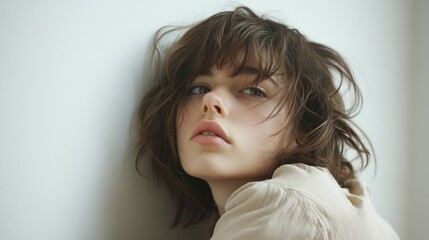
[[139, 210], [136, 208]]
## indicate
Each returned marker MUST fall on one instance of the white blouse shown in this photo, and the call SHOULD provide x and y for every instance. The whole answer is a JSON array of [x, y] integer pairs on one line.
[[301, 202]]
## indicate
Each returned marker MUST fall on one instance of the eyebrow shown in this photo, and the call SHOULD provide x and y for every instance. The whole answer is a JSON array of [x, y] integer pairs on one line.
[[248, 70]]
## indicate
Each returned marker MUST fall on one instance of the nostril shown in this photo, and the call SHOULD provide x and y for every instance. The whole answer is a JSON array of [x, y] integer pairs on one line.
[[205, 109], [218, 109]]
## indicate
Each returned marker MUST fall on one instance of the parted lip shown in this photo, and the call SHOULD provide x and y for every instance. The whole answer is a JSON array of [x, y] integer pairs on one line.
[[210, 126]]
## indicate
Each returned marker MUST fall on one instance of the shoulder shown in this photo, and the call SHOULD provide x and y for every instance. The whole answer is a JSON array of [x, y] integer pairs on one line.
[[291, 182], [301, 202], [271, 210], [304, 177], [298, 182]]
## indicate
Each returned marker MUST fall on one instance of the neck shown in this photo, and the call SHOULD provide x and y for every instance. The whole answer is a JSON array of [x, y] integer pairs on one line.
[[222, 190]]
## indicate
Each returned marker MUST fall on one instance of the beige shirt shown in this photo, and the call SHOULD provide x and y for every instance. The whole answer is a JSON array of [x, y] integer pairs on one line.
[[301, 202]]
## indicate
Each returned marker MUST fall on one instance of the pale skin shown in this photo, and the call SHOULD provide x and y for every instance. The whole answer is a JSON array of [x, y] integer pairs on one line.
[[223, 133]]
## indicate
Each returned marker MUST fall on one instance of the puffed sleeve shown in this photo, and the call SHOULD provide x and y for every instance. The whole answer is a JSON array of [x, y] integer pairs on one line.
[[270, 211]]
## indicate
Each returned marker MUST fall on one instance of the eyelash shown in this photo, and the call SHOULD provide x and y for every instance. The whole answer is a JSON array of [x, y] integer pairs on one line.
[[259, 92], [192, 91]]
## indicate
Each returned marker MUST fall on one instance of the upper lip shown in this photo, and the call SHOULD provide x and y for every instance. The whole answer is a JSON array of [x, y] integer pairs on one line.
[[210, 126]]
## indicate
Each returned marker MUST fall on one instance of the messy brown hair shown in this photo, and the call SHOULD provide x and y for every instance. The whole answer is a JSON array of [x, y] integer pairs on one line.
[[319, 123]]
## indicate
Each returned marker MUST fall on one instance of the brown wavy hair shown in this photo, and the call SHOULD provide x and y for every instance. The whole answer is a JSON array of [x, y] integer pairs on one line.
[[319, 123]]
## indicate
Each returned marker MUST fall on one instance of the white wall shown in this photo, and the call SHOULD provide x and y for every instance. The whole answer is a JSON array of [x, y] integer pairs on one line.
[[70, 80]]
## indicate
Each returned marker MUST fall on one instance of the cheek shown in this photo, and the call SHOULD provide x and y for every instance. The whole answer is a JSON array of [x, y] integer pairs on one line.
[[260, 134], [272, 132], [184, 121], [263, 110], [190, 108], [182, 116]]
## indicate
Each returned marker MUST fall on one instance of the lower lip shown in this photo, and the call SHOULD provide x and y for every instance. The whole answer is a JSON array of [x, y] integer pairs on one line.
[[209, 140]]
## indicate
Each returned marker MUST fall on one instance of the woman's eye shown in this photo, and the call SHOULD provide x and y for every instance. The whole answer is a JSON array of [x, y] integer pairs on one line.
[[197, 90], [252, 91]]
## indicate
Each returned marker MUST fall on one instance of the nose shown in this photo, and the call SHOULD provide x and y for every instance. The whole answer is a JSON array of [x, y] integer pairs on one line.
[[214, 104]]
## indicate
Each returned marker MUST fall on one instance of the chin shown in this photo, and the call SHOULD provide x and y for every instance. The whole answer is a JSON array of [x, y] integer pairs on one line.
[[206, 171]]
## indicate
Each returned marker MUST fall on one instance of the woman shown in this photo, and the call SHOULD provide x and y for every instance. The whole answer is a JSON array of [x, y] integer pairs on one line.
[[247, 123]]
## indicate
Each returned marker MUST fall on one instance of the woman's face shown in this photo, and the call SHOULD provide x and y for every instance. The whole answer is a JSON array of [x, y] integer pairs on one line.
[[223, 132]]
